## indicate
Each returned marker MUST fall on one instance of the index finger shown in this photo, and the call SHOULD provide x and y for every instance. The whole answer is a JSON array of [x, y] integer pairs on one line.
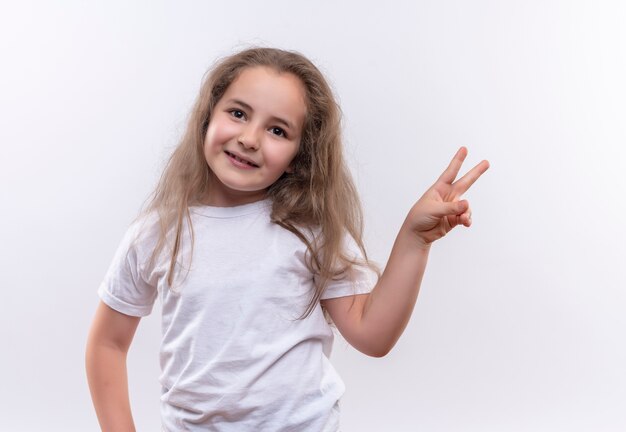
[[451, 172]]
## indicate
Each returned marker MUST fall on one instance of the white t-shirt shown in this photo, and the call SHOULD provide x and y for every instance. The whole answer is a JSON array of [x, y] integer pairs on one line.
[[233, 355]]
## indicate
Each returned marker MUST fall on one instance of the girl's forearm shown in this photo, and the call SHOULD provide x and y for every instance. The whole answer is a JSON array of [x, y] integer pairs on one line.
[[387, 310], [108, 383], [390, 304]]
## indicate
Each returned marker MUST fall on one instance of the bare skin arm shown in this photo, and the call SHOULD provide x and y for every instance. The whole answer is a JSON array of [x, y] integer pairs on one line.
[[373, 323], [109, 338]]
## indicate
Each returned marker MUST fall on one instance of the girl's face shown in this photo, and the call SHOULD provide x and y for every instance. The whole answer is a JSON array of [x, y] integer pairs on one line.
[[253, 135]]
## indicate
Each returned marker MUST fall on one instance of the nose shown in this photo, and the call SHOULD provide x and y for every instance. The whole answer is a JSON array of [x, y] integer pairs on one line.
[[250, 138]]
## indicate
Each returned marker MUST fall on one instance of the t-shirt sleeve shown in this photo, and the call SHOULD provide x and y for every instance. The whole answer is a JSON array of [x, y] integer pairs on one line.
[[359, 279], [125, 287]]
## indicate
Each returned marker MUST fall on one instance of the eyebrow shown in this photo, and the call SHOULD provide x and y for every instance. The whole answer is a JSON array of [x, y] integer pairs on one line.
[[249, 108]]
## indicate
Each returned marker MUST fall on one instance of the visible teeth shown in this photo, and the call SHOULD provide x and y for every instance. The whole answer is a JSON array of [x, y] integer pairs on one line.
[[241, 160]]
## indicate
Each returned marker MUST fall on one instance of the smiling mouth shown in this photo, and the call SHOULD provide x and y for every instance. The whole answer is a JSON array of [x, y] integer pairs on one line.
[[238, 159]]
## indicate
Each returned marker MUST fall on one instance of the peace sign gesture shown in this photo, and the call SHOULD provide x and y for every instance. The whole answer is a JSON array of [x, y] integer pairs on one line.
[[439, 209], [384, 313]]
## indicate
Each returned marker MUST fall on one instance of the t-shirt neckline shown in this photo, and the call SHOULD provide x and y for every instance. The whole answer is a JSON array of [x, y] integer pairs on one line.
[[230, 212]]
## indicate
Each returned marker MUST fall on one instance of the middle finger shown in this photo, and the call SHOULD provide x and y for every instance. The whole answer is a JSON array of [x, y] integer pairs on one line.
[[464, 183]]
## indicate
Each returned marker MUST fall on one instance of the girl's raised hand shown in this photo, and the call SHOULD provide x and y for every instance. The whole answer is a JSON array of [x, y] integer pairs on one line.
[[439, 209]]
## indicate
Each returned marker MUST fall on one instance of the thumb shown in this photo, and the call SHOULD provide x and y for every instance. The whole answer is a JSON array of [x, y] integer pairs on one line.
[[451, 208]]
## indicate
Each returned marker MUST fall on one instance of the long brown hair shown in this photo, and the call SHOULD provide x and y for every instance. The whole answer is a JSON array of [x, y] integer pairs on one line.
[[317, 202]]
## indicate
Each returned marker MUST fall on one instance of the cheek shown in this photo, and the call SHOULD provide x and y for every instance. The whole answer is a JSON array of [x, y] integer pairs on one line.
[[211, 139], [218, 133], [283, 157], [208, 148]]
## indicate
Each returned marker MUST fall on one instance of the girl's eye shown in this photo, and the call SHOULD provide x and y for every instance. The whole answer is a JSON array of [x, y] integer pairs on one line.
[[237, 113], [278, 131]]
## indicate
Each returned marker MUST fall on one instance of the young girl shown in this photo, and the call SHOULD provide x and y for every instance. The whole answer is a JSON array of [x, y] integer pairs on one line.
[[253, 243]]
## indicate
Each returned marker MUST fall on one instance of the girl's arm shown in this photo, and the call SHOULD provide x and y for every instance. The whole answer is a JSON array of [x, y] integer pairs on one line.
[[373, 322], [105, 359]]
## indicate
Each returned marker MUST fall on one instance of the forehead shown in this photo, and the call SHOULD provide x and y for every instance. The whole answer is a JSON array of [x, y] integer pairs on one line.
[[269, 92]]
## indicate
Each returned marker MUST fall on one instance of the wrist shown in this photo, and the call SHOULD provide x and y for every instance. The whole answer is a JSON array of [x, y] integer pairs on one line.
[[413, 240]]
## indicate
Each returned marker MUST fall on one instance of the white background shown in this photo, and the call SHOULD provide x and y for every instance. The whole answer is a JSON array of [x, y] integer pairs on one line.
[[520, 324]]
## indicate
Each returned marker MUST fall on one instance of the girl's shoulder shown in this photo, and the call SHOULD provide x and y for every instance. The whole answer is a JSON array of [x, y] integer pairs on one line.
[[144, 230], [145, 223], [314, 235]]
